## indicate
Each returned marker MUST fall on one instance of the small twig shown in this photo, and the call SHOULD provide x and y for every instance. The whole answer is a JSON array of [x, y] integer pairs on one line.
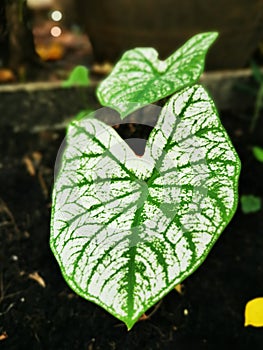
[[4, 296], [36, 277], [43, 184], [29, 166], [119, 325], [4, 208], [8, 309], [37, 337], [145, 317], [3, 336], [5, 223], [11, 295], [1, 287]]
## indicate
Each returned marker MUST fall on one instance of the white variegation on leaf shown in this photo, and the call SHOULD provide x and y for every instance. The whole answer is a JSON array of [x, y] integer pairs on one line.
[[126, 229], [140, 78]]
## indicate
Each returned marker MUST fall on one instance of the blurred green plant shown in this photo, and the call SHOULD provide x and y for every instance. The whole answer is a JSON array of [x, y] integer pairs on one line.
[[258, 153], [258, 75], [79, 76], [257, 92], [250, 204]]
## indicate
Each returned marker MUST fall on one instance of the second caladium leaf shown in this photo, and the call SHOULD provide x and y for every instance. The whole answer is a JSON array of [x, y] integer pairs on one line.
[[127, 229], [140, 78]]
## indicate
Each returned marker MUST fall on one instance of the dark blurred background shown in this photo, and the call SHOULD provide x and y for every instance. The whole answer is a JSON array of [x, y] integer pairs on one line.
[[44, 39]]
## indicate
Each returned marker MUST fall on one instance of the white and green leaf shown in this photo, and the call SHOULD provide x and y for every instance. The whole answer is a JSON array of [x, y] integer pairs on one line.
[[140, 78], [126, 229]]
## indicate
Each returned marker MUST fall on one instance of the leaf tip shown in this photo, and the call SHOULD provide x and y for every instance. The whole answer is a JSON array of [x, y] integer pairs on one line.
[[129, 324], [213, 35], [123, 115], [130, 321], [208, 37]]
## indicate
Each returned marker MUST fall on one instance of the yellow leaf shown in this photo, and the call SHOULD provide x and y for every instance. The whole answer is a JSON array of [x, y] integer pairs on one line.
[[254, 313], [36, 277], [179, 288]]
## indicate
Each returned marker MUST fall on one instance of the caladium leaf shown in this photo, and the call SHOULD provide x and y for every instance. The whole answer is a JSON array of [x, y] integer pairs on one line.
[[127, 229], [140, 78]]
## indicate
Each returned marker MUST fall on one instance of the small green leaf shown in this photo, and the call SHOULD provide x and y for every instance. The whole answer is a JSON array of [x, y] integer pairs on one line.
[[250, 204], [79, 76], [126, 230], [258, 153], [140, 78]]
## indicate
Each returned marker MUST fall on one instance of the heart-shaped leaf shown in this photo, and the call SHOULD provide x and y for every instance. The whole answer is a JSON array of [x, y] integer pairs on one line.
[[126, 229], [140, 78]]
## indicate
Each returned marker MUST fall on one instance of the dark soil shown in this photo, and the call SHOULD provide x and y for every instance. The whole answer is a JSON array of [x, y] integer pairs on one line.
[[46, 314]]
